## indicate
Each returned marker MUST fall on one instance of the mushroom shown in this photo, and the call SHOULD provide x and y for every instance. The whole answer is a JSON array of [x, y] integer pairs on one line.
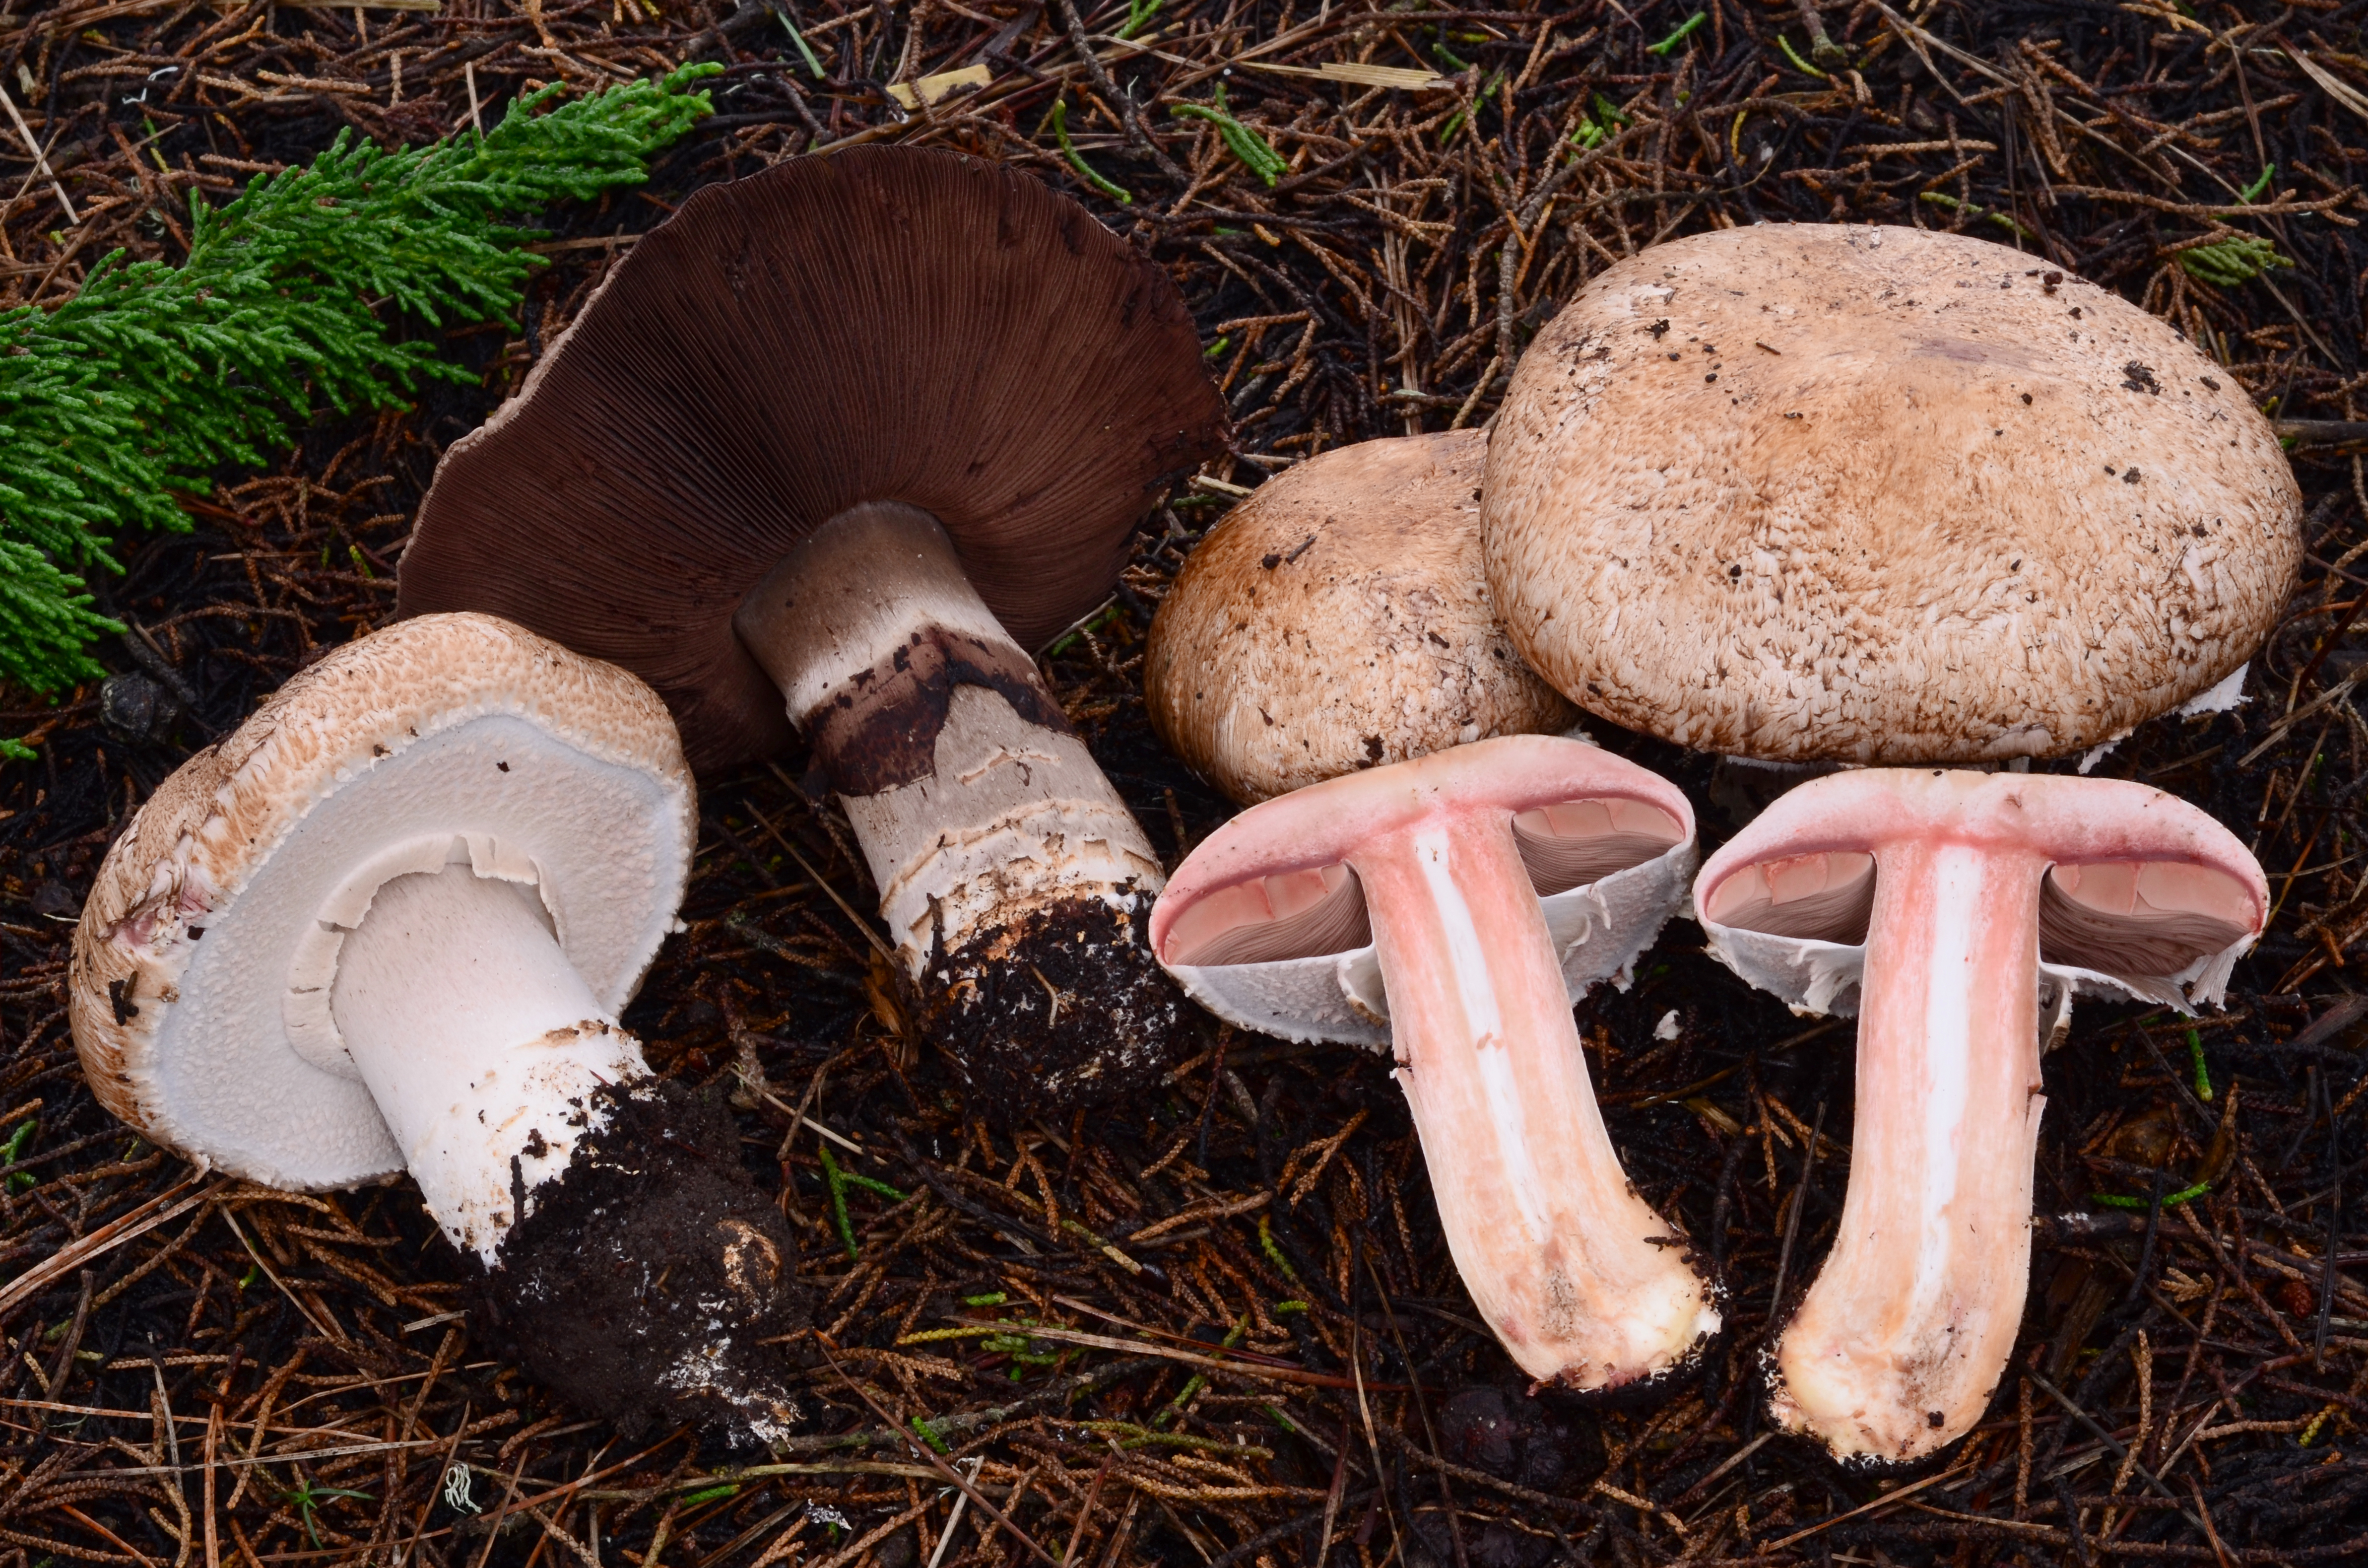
[[1812, 491], [388, 925], [1454, 906], [833, 448], [1339, 620], [1955, 913]]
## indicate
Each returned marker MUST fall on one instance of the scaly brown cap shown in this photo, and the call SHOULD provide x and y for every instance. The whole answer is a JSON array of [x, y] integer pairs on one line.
[[887, 323], [1339, 620], [1808, 492]]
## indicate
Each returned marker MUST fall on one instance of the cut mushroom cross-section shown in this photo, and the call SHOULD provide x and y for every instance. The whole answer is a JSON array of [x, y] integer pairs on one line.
[[1955, 913], [830, 450], [1454, 906], [388, 925]]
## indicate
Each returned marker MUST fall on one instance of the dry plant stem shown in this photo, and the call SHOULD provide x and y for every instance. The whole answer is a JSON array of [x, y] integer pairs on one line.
[[1897, 1343], [1544, 1228]]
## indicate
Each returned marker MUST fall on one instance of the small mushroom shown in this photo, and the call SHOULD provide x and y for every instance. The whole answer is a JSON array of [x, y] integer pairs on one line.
[[1933, 507], [1339, 620], [1955, 913], [1454, 906], [388, 925], [834, 448]]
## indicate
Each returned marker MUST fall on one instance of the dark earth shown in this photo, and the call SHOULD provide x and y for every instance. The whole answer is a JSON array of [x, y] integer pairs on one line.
[[260, 1378], [651, 1254], [1063, 1008]]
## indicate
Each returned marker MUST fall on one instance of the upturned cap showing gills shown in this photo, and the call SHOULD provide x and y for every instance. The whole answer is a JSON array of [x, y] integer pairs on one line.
[[833, 449], [388, 925]]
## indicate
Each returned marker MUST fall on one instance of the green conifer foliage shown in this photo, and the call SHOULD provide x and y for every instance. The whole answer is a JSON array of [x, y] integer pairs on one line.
[[154, 377]]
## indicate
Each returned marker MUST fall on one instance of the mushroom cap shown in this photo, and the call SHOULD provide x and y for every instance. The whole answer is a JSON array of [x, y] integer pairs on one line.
[[1811, 492], [203, 942], [1609, 847], [888, 323], [2145, 896], [1339, 620]]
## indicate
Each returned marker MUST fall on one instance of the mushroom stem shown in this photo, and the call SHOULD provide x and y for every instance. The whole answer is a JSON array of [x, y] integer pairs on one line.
[[1899, 1343], [479, 1041], [991, 833], [1568, 1266]]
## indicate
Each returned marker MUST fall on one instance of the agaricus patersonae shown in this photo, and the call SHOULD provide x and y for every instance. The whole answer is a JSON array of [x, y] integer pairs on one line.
[[1955, 913], [1806, 492], [1451, 908], [388, 925], [1339, 620], [831, 451]]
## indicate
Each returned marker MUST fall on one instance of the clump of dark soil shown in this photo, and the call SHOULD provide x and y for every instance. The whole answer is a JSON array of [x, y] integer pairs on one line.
[[1514, 1439], [1065, 1008], [1511, 1438], [652, 1284]]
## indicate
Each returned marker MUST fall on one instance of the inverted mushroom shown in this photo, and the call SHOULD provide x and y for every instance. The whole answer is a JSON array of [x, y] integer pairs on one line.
[[1812, 491], [1955, 913], [1455, 905], [1338, 620], [833, 448], [388, 925]]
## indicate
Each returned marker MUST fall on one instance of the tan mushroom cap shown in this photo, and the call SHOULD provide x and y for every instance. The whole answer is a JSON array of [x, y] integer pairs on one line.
[[559, 771], [1339, 620], [1809, 491]]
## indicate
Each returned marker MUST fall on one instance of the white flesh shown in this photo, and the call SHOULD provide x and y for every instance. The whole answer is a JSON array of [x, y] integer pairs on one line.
[[1014, 817], [480, 1043]]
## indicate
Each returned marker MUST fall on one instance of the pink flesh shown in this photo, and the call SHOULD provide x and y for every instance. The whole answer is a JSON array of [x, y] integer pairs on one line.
[[1915, 1308], [1898, 1346], [1287, 915], [1549, 1236], [1450, 852]]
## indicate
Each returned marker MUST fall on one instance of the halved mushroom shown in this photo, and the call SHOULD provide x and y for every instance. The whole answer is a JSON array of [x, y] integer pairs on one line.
[[388, 925], [833, 448], [1456, 905], [1956, 913]]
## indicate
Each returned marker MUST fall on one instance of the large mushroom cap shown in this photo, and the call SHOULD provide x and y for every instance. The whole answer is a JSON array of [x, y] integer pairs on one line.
[[887, 323], [198, 957], [1807, 491], [1339, 620]]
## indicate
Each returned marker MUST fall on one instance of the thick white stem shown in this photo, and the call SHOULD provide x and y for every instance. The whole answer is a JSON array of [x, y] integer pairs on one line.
[[1012, 817], [974, 801], [480, 1041]]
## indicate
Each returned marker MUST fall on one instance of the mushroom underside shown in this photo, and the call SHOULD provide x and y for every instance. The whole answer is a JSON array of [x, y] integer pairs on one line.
[[1293, 955], [1797, 928]]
